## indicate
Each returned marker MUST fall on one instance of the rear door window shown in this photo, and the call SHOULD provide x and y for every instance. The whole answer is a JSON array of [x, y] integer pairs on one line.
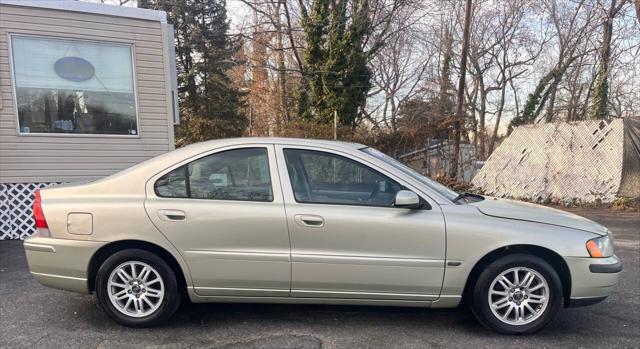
[[238, 174]]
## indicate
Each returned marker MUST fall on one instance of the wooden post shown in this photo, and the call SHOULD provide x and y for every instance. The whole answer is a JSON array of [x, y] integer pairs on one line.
[[250, 120], [335, 125]]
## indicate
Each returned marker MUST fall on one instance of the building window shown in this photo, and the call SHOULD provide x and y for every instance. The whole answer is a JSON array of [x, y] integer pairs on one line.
[[73, 87]]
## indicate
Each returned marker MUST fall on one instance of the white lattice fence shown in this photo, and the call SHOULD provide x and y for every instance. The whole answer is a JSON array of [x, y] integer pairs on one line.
[[560, 161], [16, 209]]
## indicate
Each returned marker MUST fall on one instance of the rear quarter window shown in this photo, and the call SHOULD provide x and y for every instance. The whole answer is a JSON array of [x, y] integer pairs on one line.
[[173, 184]]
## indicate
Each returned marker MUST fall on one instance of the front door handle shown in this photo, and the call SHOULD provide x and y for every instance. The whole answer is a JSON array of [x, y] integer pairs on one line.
[[309, 220], [172, 215]]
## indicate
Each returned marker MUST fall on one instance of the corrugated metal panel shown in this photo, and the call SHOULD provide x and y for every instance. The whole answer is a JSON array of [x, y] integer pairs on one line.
[[564, 161], [35, 158]]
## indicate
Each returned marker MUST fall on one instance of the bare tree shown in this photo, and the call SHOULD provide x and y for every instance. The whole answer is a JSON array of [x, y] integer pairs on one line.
[[557, 52], [503, 50], [599, 108], [398, 69], [275, 14], [483, 42], [573, 25], [515, 51]]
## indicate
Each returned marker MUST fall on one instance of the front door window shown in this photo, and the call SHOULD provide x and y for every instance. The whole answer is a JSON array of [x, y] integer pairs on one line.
[[324, 178]]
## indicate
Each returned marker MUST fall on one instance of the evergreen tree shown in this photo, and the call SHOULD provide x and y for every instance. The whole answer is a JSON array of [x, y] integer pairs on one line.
[[312, 89], [337, 77], [210, 106]]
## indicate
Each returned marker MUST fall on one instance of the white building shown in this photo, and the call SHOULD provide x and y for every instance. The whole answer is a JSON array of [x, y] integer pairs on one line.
[[86, 90]]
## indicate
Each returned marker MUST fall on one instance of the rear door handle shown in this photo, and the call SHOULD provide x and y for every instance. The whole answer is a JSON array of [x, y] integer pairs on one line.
[[309, 220], [172, 215]]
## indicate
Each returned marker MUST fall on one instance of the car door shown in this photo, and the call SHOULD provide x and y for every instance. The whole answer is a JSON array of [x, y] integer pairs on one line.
[[347, 241], [224, 212]]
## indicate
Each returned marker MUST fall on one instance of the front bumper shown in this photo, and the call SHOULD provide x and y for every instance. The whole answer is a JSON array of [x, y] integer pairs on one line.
[[60, 263], [592, 279]]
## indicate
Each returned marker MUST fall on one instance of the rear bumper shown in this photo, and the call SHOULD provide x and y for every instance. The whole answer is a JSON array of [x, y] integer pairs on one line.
[[60, 263], [592, 279]]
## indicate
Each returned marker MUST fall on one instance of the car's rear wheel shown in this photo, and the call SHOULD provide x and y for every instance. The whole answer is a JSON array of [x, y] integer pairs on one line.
[[517, 294], [137, 288]]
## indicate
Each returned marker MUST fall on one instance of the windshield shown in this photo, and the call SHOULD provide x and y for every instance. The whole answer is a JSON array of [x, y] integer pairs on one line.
[[441, 189]]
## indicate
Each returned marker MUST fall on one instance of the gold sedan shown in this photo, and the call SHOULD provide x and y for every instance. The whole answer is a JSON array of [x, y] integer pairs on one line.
[[308, 221]]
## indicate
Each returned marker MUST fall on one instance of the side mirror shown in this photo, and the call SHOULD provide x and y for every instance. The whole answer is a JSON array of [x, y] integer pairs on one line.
[[406, 199]]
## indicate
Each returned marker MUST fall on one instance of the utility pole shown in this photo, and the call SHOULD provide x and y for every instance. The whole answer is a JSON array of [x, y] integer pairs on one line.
[[457, 125]]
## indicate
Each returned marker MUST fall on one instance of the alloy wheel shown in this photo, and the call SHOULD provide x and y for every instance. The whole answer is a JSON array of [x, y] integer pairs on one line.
[[518, 296], [135, 289]]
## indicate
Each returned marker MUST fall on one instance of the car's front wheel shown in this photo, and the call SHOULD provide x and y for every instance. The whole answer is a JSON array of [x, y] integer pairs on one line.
[[517, 294], [137, 288]]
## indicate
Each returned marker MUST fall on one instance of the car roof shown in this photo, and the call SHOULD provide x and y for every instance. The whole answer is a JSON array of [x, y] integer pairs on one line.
[[160, 162], [273, 140]]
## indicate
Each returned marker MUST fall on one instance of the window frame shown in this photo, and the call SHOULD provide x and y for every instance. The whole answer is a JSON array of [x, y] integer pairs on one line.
[[185, 166], [14, 89], [425, 203]]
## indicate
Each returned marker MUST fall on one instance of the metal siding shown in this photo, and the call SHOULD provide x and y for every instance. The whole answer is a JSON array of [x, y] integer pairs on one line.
[[60, 158]]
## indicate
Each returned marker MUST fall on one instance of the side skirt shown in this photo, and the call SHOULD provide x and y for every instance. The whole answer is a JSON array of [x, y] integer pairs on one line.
[[442, 302]]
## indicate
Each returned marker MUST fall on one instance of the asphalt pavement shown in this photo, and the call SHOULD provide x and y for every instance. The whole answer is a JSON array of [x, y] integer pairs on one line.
[[33, 316]]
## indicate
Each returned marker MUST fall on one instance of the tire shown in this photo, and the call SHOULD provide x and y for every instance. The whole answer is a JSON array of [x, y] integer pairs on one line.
[[144, 301], [530, 312]]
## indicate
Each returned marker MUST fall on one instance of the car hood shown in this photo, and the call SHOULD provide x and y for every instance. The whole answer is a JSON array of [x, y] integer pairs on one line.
[[511, 209]]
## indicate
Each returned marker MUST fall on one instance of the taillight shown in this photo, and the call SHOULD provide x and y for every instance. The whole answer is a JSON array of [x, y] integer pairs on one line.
[[38, 215]]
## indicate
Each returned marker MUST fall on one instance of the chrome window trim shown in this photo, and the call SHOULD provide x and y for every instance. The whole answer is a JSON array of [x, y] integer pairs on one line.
[[188, 185], [276, 187], [373, 170], [363, 159]]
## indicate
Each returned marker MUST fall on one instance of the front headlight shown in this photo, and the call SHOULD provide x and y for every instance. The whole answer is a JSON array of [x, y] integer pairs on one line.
[[600, 247]]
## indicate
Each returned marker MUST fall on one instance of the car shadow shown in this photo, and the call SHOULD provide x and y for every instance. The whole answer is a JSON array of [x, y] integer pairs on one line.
[[348, 316], [283, 322]]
